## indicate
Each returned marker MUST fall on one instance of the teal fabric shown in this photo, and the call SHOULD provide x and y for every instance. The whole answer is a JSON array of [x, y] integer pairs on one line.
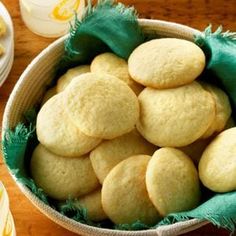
[[220, 49], [113, 27], [107, 26], [220, 210]]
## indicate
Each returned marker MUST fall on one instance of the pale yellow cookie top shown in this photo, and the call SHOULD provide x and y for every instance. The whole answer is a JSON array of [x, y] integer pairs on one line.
[[124, 194], [109, 153], [61, 177], [175, 117], [172, 181], [92, 202], [101, 106], [166, 63], [223, 109], [112, 64], [58, 134], [49, 93], [65, 79], [217, 167]]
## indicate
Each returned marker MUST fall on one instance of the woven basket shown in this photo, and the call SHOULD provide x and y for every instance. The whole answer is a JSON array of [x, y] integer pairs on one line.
[[30, 89]]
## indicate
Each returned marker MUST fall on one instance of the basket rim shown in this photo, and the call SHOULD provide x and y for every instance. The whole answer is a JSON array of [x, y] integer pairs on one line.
[[147, 24]]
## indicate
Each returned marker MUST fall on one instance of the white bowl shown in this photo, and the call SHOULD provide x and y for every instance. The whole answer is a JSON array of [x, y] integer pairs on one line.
[[29, 90]]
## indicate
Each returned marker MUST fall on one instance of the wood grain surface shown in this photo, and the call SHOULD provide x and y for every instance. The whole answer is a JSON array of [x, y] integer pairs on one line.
[[196, 13]]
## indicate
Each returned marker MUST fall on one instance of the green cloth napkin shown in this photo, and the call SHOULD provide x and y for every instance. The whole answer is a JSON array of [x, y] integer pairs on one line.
[[110, 26], [220, 210], [107, 26], [220, 49]]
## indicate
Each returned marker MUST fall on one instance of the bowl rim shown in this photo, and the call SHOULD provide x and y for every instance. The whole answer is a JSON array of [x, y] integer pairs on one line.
[[163, 28]]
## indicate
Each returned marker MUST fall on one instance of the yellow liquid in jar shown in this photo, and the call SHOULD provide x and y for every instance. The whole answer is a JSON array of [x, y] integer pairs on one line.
[[50, 18]]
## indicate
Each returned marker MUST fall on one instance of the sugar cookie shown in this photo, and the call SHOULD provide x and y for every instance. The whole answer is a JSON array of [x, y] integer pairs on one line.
[[223, 109], [217, 167], [62, 177], [109, 153], [58, 134], [111, 64], [124, 194], [172, 181], [166, 63], [92, 202], [65, 79], [101, 105], [175, 117]]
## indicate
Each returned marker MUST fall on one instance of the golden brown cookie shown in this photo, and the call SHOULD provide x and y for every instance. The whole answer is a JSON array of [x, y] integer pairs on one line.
[[101, 106], [61, 177], [92, 202], [175, 117], [172, 181], [166, 63], [223, 109], [111, 64], [124, 194], [65, 79], [217, 167], [58, 134], [109, 153]]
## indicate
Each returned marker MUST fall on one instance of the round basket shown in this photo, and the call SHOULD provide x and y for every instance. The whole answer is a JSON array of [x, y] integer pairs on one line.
[[29, 90]]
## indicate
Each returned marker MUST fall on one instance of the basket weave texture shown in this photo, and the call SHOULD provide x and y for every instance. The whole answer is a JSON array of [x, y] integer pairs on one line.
[[29, 90]]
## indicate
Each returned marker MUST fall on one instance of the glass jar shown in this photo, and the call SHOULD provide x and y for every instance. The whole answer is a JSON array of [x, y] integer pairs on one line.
[[50, 18]]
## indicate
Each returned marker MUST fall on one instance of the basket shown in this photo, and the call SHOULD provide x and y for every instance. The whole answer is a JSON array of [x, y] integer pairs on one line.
[[29, 90]]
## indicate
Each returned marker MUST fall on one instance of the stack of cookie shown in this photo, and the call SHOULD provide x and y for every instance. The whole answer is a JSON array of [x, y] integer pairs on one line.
[[119, 136]]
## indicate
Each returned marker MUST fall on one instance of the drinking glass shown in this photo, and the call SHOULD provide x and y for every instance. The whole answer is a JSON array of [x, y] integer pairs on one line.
[[50, 18]]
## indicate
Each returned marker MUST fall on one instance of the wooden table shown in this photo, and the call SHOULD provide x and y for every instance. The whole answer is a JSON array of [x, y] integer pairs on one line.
[[195, 13]]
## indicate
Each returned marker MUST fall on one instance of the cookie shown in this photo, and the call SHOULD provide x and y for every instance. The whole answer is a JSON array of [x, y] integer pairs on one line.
[[65, 79], [166, 63], [217, 167], [101, 106], [109, 153], [195, 149], [111, 64], [58, 134], [124, 194], [172, 181], [223, 109], [50, 93], [92, 202], [3, 27], [175, 117], [61, 177]]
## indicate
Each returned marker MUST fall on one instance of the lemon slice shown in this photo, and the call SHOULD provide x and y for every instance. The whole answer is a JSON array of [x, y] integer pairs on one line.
[[65, 9]]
